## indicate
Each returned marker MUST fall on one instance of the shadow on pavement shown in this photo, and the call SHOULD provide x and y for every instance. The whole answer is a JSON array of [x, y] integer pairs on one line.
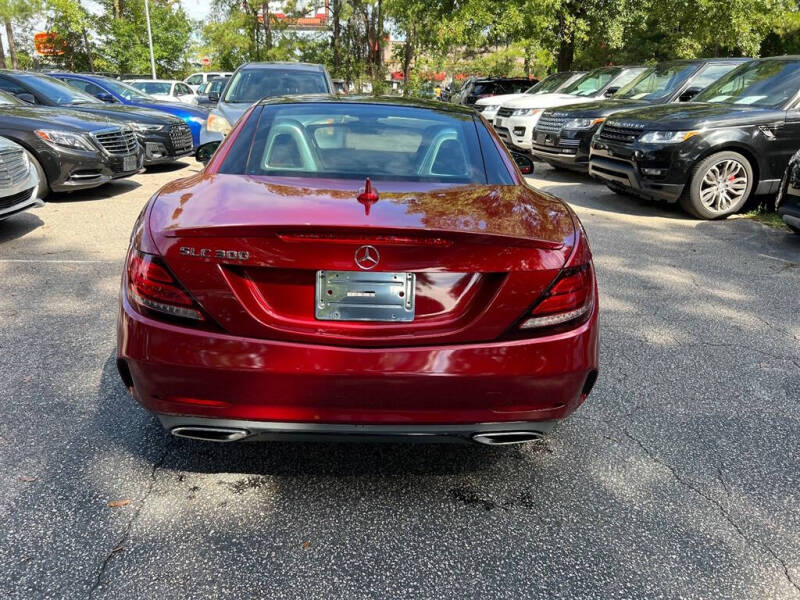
[[19, 225]]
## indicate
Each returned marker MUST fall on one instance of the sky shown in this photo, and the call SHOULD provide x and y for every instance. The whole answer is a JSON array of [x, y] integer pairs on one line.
[[197, 9]]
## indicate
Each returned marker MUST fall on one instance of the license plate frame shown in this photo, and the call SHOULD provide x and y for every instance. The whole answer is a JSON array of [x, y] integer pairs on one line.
[[130, 162], [364, 296]]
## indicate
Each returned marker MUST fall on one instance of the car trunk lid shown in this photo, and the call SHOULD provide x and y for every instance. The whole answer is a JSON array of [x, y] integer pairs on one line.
[[251, 250]]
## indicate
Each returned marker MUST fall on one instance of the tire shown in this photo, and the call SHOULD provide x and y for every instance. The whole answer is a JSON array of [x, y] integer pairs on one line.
[[719, 186], [793, 228], [44, 187]]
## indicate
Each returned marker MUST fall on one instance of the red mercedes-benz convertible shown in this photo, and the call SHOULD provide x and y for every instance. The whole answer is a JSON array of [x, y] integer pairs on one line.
[[358, 267]]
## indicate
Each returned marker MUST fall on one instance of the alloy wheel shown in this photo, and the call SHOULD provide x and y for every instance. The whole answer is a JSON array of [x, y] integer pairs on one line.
[[723, 186]]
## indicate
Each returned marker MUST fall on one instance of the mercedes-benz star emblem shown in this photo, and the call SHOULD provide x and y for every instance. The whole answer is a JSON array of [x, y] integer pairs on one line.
[[367, 257]]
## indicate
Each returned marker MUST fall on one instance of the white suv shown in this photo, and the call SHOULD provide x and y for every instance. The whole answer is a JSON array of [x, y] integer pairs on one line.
[[195, 80], [549, 85], [516, 119]]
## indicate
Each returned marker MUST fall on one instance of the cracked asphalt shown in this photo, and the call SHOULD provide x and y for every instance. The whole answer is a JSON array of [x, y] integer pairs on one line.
[[678, 478]]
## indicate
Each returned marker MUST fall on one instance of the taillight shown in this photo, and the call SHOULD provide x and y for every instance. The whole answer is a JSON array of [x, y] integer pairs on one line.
[[152, 286], [569, 299]]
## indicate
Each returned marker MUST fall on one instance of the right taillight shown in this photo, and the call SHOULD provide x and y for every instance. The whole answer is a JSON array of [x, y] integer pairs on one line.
[[152, 287], [569, 300]]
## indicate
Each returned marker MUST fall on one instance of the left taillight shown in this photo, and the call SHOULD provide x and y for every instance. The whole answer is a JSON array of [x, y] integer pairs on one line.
[[152, 287]]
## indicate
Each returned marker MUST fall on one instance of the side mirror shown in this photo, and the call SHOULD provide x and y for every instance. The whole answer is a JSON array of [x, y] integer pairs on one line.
[[213, 96], [611, 91], [106, 97], [206, 151], [689, 94], [524, 162], [27, 97]]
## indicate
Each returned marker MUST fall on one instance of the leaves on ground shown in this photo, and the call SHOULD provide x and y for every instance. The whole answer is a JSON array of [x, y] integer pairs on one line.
[[119, 503]]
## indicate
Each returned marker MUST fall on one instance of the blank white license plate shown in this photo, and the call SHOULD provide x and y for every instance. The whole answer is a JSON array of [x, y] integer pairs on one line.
[[129, 163], [498, 122], [364, 296]]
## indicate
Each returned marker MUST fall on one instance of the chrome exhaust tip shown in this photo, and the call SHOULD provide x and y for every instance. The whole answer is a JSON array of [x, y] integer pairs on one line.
[[210, 434], [505, 438]]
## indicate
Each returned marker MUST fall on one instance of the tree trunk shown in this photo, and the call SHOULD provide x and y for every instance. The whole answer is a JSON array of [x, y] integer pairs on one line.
[[2, 53], [88, 50], [336, 37], [12, 48], [267, 27], [566, 53]]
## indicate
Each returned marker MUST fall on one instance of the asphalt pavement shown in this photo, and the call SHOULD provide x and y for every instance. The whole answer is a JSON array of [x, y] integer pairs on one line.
[[679, 477]]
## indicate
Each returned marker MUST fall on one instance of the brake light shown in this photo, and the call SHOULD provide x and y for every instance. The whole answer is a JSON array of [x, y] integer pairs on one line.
[[571, 298], [152, 286]]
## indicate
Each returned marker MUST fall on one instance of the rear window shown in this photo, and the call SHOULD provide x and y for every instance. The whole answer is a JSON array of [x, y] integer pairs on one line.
[[251, 85], [153, 87], [354, 141]]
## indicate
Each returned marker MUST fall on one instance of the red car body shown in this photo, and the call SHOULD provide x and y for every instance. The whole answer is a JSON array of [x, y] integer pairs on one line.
[[240, 254]]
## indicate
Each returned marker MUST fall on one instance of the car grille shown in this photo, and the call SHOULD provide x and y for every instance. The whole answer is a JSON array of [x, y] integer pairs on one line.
[[10, 201], [119, 141], [181, 137], [620, 133], [551, 122], [505, 112], [569, 143], [13, 168]]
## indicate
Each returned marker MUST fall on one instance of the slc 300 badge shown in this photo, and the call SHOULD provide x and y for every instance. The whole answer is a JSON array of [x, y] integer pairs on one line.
[[219, 254]]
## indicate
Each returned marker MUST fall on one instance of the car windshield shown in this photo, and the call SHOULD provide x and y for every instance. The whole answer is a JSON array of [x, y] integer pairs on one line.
[[58, 92], [355, 141], [217, 85], [126, 91], [153, 87], [759, 83], [250, 85], [658, 82], [592, 82], [8, 99], [549, 84]]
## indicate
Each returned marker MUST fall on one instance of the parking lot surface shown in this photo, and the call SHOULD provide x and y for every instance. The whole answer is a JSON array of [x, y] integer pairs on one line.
[[679, 477]]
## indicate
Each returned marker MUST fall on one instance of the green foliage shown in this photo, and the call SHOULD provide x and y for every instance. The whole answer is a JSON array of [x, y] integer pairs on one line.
[[123, 28]]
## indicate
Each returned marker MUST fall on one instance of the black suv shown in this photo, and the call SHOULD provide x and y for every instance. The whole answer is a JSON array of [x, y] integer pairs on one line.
[[563, 135], [164, 138], [788, 201], [483, 88], [733, 139]]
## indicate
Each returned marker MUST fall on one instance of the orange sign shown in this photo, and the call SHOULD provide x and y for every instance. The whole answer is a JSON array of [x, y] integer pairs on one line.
[[48, 43]]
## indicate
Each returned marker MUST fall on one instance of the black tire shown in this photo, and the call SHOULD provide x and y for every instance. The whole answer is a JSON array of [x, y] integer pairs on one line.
[[44, 187], [691, 200]]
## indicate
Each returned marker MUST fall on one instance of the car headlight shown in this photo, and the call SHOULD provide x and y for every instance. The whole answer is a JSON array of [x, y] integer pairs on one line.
[[142, 127], [582, 123], [65, 139], [219, 124], [490, 108], [526, 112], [667, 137]]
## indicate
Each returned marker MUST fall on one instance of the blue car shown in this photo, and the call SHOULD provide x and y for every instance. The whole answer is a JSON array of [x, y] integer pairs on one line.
[[112, 90]]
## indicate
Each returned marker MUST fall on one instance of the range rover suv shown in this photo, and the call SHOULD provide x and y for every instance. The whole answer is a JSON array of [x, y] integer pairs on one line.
[[516, 119], [551, 84], [562, 136], [733, 140], [788, 201]]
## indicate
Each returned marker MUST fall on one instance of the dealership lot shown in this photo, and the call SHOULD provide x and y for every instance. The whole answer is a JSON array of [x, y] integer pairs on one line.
[[679, 476]]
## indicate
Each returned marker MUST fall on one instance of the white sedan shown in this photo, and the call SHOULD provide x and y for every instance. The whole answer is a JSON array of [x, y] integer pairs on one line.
[[166, 89]]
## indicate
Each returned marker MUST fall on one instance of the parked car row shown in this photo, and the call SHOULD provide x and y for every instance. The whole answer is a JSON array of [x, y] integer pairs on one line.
[[81, 131], [704, 133]]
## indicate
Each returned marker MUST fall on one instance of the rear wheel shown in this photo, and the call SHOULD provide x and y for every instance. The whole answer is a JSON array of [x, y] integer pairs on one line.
[[719, 186], [44, 188], [793, 228]]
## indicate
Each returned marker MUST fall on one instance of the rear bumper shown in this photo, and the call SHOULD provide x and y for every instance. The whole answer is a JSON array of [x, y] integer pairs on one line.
[[177, 371]]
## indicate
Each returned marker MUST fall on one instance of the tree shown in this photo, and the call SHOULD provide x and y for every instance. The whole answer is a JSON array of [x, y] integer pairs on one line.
[[71, 22], [16, 12], [125, 50]]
